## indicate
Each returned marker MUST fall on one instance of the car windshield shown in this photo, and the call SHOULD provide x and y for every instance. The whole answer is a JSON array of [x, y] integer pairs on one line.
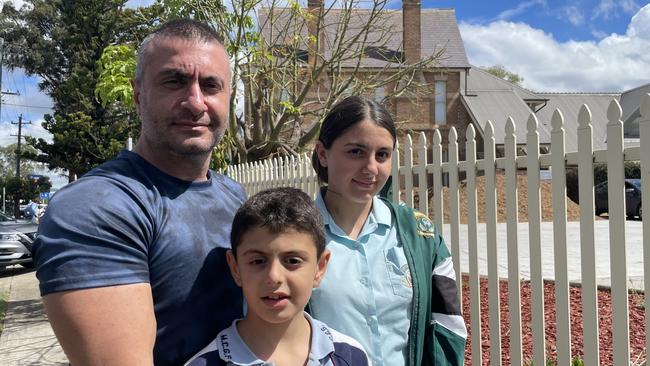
[[636, 182]]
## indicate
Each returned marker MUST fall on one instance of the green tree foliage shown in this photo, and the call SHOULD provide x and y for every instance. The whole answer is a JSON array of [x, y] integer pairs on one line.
[[288, 93], [23, 189], [62, 41], [501, 72], [8, 161]]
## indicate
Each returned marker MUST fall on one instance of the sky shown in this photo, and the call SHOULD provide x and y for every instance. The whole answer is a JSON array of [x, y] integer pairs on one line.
[[556, 46]]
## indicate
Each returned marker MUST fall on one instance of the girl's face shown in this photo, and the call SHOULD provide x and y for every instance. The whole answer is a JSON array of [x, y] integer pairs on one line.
[[358, 162]]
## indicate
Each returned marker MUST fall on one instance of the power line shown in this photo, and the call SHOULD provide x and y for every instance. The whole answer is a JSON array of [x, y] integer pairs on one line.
[[28, 106]]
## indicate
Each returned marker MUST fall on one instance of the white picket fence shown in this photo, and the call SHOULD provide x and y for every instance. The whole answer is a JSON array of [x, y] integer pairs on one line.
[[297, 172]]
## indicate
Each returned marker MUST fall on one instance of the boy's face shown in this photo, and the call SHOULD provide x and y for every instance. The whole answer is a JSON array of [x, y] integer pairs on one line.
[[277, 273]]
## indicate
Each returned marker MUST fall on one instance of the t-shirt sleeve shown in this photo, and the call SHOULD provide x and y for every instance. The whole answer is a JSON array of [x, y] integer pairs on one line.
[[94, 234]]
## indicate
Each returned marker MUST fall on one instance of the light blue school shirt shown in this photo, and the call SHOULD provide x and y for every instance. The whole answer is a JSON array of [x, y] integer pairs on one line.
[[367, 290]]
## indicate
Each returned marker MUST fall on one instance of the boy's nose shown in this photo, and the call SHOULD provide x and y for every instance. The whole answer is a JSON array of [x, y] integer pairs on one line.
[[274, 274]]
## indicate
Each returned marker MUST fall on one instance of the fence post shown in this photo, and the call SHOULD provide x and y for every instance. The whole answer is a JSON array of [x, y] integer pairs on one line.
[[436, 162], [454, 217], [408, 171], [587, 248]]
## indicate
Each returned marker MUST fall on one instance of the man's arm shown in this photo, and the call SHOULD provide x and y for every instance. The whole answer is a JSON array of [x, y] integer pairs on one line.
[[112, 325]]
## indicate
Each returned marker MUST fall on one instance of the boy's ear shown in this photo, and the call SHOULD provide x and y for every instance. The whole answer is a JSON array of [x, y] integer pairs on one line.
[[234, 269], [321, 267], [321, 153]]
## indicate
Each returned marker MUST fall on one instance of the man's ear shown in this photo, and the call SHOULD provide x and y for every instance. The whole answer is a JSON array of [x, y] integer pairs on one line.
[[321, 152], [135, 87], [322, 267], [234, 269]]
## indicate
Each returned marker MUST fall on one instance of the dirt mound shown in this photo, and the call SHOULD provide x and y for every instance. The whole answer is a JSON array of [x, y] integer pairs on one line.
[[546, 200]]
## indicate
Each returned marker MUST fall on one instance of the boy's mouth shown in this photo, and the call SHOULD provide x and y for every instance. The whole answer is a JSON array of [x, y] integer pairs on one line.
[[275, 300]]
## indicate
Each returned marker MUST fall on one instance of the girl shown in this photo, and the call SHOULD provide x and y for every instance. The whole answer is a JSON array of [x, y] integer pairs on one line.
[[390, 283]]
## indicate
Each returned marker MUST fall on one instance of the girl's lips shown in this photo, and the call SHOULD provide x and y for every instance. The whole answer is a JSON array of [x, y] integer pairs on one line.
[[366, 184]]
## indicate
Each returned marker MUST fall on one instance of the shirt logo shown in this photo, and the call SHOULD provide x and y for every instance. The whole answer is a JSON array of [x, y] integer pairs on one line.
[[424, 225]]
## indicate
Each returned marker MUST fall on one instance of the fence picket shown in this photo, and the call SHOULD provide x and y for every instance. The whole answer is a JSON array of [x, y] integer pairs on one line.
[[421, 170], [514, 293], [534, 240], [472, 244], [436, 169], [395, 173], [494, 289], [558, 168], [587, 248], [408, 171], [644, 131], [454, 215], [617, 250]]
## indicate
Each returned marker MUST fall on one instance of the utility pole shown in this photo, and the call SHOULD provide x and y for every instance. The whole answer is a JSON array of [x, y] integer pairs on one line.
[[2, 56], [20, 124]]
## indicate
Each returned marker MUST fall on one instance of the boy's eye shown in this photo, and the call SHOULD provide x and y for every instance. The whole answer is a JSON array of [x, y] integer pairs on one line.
[[294, 261], [257, 261]]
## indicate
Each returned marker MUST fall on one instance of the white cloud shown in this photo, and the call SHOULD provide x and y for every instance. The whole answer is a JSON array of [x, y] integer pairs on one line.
[[573, 15], [9, 132], [615, 63], [608, 9], [520, 8]]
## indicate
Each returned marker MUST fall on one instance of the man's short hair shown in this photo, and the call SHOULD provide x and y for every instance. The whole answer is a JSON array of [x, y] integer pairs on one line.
[[279, 210], [187, 29]]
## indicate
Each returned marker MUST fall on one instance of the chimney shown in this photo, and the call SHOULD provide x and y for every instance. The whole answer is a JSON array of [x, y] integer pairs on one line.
[[411, 27], [315, 46]]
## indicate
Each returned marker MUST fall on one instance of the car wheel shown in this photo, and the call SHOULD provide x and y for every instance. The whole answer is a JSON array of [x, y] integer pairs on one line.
[[598, 212], [27, 265], [639, 212]]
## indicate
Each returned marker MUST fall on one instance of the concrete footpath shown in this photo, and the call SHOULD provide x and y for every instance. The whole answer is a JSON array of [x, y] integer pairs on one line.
[[27, 337]]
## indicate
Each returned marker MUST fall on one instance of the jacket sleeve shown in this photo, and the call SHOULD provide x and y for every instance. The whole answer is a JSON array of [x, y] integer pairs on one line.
[[446, 334]]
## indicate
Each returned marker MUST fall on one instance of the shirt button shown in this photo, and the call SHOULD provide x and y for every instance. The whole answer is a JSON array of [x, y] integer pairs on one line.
[[364, 281]]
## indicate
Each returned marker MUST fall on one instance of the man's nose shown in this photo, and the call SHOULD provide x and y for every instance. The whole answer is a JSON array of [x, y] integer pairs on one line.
[[195, 100]]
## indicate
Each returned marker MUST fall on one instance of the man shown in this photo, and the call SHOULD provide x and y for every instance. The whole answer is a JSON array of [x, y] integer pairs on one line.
[[32, 211], [131, 257]]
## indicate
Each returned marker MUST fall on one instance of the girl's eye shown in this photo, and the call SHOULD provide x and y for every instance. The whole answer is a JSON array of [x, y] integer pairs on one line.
[[355, 152], [383, 155]]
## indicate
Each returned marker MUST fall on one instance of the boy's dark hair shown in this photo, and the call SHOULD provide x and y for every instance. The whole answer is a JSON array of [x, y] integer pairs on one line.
[[279, 210], [345, 114]]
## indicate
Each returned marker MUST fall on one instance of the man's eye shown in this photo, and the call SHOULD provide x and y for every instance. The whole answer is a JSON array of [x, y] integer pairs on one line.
[[173, 83], [212, 88]]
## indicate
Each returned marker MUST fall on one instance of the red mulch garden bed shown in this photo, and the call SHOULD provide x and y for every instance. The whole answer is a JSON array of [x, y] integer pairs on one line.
[[636, 317]]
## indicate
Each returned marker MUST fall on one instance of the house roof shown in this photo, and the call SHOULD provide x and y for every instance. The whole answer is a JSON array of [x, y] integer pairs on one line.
[[481, 80], [439, 30], [497, 106], [570, 104], [631, 106]]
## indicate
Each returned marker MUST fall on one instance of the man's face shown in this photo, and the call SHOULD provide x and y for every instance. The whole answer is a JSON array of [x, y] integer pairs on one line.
[[183, 97]]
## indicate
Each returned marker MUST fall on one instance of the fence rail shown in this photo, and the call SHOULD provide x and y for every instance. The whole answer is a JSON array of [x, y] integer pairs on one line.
[[411, 160]]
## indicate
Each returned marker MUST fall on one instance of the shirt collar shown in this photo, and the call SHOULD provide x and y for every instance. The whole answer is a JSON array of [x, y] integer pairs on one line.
[[379, 215], [233, 349]]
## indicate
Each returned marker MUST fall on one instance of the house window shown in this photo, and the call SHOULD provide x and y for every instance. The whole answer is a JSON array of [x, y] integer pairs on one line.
[[441, 102], [379, 94]]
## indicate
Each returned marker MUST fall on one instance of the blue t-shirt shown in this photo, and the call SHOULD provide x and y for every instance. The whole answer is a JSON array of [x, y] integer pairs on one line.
[[128, 222]]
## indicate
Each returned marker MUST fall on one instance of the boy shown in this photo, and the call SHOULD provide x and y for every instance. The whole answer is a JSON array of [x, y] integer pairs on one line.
[[278, 255]]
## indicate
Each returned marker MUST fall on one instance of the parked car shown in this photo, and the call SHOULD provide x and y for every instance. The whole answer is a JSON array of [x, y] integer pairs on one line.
[[16, 239], [632, 198]]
